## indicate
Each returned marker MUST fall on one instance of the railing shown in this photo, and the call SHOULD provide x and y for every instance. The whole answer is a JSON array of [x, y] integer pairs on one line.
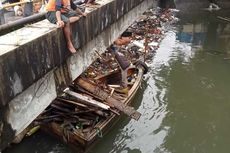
[[21, 2], [6, 27], [22, 21]]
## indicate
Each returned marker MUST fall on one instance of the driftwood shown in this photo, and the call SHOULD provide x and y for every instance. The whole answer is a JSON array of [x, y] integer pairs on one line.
[[109, 99]]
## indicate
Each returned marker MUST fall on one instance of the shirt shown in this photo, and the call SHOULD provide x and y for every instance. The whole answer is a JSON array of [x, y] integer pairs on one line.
[[60, 5]]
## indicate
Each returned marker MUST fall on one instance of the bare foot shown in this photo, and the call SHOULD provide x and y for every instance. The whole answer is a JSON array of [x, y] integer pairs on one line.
[[71, 48]]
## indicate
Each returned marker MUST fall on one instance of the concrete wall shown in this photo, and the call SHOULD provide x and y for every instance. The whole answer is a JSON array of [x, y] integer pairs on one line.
[[35, 65]]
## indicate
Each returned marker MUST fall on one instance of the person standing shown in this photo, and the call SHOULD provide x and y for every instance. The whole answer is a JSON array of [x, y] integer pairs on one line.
[[63, 13]]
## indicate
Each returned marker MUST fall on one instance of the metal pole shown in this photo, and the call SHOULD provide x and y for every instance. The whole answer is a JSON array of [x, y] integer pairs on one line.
[[20, 22]]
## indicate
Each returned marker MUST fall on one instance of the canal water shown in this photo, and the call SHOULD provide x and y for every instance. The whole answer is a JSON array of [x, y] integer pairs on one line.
[[184, 99]]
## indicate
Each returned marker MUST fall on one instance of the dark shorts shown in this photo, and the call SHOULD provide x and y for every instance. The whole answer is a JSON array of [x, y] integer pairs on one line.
[[51, 16]]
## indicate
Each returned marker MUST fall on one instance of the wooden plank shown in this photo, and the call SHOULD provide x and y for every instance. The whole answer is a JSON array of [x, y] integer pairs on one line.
[[130, 111], [86, 100]]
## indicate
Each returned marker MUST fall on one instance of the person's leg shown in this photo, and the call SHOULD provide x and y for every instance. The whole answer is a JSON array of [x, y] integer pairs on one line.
[[73, 16], [73, 19], [51, 16], [90, 1], [67, 33], [124, 81]]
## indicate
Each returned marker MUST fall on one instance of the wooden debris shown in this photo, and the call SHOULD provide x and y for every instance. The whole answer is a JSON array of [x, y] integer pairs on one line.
[[97, 97], [101, 93], [86, 100]]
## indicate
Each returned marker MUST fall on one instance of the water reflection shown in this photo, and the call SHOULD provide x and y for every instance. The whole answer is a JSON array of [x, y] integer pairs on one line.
[[186, 100], [212, 34], [148, 134], [192, 33], [198, 98], [39, 143]]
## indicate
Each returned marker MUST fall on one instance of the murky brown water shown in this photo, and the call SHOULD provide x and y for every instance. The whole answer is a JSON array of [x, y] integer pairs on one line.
[[185, 98]]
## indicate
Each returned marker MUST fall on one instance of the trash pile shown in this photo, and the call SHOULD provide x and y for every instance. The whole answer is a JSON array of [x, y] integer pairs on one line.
[[97, 94], [104, 64], [142, 39]]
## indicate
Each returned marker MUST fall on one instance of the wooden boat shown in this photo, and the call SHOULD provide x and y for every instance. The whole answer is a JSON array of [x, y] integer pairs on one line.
[[106, 117]]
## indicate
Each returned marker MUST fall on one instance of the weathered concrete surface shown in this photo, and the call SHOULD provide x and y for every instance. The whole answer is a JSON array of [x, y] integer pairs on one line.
[[35, 64]]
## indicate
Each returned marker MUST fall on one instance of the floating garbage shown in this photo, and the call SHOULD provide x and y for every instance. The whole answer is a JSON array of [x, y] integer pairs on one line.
[[147, 32]]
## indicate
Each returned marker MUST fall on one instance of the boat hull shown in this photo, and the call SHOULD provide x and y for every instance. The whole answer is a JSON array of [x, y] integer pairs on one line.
[[84, 142]]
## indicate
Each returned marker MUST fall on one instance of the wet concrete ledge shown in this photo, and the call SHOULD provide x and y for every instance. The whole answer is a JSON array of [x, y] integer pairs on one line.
[[35, 64]]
